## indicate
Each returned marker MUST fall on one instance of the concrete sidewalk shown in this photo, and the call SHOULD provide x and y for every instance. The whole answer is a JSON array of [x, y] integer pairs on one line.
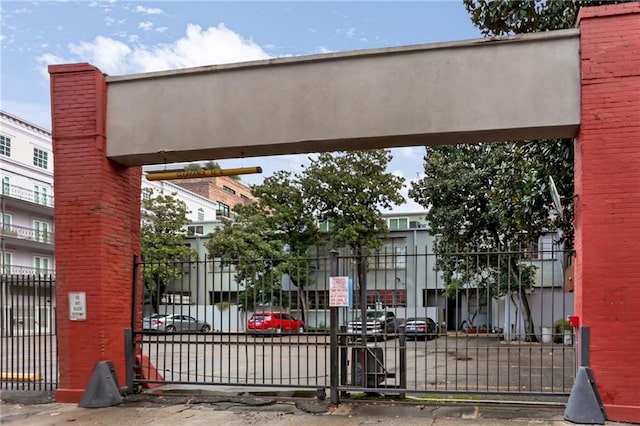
[[235, 410]]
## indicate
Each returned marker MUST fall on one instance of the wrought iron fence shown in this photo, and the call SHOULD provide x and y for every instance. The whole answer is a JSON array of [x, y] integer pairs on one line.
[[492, 323], [29, 358]]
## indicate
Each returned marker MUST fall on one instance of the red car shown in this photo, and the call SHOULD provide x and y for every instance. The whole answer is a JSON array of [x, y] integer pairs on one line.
[[276, 322]]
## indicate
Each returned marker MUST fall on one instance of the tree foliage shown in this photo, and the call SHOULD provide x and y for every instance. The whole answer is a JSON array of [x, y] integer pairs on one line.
[[484, 199], [268, 239], [162, 237], [496, 18], [348, 189]]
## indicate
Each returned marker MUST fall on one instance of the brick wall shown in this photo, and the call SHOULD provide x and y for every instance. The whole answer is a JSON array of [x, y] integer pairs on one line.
[[97, 221], [213, 189], [607, 172]]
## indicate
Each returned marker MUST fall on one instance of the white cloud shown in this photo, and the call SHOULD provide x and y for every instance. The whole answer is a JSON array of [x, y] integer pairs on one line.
[[46, 60], [323, 49], [161, 29], [214, 45], [198, 47], [146, 25], [107, 54], [148, 10], [351, 32]]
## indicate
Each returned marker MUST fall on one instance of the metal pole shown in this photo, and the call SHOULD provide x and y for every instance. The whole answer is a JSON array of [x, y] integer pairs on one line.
[[204, 173], [333, 348], [584, 346]]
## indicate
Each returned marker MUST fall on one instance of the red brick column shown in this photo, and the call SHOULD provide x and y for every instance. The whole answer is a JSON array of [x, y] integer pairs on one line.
[[607, 174], [97, 223]]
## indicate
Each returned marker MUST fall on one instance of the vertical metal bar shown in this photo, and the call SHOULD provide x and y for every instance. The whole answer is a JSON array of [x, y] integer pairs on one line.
[[129, 355], [333, 338], [134, 314], [585, 341]]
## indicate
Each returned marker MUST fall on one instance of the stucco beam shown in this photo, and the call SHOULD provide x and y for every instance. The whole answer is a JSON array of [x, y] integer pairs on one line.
[[469, 91]]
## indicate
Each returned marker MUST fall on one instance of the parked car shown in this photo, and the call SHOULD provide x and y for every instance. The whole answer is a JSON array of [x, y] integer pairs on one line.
[[174, 322], [378, 325], [276, 322], [420, 328]]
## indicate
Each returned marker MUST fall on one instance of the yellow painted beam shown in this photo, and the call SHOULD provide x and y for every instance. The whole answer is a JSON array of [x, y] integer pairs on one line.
[[20, 377], [204, 173]]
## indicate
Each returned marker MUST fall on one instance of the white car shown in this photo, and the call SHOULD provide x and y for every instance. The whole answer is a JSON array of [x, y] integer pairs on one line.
[[174, 322]]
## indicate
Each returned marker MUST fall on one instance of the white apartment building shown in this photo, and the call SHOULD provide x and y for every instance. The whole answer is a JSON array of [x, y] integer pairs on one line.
[[27, 200]]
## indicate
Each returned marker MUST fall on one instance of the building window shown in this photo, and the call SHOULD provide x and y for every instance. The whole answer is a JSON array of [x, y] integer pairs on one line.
[[5, 221], [223, 210], [195, 230], [389, 257], [229, 190], [5, 185], [41, 265], [146, 193], [7, 261], [5, 146], [41, 231], [40, 195], [200, 214], [244, 198], [40, 158], [398, 223]]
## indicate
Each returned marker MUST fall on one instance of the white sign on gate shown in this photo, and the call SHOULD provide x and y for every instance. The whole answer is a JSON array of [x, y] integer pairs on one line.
[[339, 292]]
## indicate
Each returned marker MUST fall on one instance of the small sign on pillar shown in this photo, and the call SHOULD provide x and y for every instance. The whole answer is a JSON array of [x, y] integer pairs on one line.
[[77, 306]]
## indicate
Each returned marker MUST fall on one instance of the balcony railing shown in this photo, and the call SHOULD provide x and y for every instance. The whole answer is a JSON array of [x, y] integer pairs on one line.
[[26, 270], [22, 233], [25, 194]]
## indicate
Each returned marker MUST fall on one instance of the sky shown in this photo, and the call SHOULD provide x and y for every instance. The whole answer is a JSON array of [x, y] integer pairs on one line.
[[122, 37]]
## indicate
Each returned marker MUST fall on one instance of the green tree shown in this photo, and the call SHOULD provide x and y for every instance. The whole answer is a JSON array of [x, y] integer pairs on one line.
[[278, 227], [495, 18], [551, 158], [163, 249], [348, 189], [477, 202]]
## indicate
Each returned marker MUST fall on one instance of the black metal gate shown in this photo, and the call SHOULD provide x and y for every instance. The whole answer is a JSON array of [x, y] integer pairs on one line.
[[29, 359], [405, 328]]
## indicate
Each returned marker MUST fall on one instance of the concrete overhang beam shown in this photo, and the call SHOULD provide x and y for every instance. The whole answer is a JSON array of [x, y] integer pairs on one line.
[[491, 89]]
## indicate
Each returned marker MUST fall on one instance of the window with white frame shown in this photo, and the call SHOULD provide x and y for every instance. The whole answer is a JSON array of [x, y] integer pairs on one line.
[[5, 146], [41, 231], [40, 194], [40, 158], [146, 193], [201, 214], [5, 185], [397, 223], [389, 257], [7, 262], [195, 230], [6, 221], [41, 264]]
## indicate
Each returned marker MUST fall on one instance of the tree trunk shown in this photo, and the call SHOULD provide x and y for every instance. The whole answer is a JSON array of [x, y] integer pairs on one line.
[[529, 328]]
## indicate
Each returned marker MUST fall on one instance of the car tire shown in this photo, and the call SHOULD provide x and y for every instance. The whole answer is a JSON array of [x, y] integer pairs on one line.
[[205, 329], [170, 328], [278, 330], [301, 329]]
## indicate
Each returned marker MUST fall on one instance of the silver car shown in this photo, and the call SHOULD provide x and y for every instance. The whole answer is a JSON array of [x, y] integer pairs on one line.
[[174, 322]]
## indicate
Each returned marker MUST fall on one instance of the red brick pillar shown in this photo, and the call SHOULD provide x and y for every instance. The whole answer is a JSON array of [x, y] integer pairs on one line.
[[607, 174], [97, 224]]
